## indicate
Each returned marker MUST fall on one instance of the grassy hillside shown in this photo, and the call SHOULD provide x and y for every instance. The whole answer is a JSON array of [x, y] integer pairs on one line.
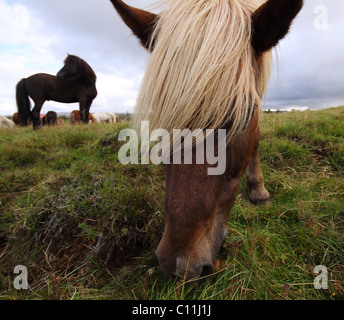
[[86, 226]]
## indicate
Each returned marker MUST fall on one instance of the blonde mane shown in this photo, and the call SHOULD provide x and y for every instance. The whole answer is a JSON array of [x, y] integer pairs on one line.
[[202, 73]]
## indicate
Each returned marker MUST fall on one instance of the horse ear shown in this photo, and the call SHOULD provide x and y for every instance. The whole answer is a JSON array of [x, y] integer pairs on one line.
[[271, 22], [141, 22]]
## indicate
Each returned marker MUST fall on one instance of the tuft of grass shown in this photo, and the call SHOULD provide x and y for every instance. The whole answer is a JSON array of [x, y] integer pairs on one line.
[[86, 226]]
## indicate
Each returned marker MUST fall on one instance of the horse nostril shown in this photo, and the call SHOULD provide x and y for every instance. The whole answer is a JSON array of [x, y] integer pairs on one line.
[[207, 270], [167, 265]]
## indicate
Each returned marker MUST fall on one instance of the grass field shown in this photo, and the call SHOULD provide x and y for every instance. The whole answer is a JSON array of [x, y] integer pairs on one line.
[[86, 227]]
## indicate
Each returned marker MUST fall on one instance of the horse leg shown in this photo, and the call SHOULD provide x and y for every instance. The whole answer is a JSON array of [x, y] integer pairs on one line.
[[87, 110], [255, 181], [83, 108], [36, 115], [85, 105]]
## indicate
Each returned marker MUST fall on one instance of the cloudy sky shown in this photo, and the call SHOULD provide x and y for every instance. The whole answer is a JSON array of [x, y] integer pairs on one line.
[[35, 36]]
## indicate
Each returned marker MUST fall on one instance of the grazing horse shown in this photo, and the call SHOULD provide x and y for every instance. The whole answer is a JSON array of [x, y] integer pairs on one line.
[[16, 119], [6, 123], [50, 119], [75, 117], [114, 117], [75, 82], [60, 122], [107, 117], [209, 68]]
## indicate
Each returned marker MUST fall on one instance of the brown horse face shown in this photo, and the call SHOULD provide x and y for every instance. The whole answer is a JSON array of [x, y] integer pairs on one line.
[[197, 206], [195, 221]]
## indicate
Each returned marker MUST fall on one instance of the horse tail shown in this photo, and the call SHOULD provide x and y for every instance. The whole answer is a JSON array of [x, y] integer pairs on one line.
[[23, 103]]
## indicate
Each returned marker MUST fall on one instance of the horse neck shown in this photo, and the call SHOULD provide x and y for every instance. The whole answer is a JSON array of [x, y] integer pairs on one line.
[[87, 79], [81, 78]]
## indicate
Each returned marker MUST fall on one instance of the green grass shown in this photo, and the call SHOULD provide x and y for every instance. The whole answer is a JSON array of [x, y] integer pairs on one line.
[[86, 227]]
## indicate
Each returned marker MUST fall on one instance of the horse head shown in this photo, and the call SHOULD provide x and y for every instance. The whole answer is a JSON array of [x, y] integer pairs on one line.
[[181, 77], [70, 68], [74, 66]]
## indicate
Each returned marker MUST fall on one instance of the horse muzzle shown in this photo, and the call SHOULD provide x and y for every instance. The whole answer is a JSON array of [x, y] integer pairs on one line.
[[192, 267]]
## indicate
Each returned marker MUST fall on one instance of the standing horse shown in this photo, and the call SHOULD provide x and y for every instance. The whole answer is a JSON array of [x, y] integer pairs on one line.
[[75, 82], [209, 67]]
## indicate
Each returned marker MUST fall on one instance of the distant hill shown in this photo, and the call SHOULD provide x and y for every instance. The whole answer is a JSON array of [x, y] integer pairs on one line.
[[288, 109]]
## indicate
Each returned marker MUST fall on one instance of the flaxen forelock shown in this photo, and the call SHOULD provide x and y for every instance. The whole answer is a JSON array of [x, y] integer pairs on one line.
[[203, 73]]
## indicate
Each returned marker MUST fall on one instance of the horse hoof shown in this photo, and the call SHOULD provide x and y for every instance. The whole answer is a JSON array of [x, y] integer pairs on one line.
[[260, 202], [262, 198]]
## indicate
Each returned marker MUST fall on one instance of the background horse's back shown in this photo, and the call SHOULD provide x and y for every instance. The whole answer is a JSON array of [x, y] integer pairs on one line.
[[107, 117], [6, 123]]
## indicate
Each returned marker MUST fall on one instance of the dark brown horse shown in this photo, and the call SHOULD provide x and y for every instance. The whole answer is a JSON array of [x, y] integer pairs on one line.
[[75, 82], [50, 119], [197, 204]]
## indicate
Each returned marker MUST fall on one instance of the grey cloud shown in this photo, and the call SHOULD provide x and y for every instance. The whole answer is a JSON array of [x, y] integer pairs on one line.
[[311, 62], [311, 67]]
